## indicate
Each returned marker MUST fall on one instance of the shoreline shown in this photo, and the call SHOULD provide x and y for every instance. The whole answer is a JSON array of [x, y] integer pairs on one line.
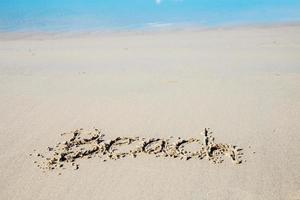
[[36, 35]]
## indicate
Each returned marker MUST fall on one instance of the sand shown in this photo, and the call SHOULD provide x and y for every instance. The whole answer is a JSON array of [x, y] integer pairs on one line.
[[83, 144], [243, 83]]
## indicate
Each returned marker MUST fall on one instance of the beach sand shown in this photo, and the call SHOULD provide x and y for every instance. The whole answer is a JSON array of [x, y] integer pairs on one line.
[[243, 83]]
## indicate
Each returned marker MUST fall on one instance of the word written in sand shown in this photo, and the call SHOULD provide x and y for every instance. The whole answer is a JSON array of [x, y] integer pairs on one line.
[[82, 144]]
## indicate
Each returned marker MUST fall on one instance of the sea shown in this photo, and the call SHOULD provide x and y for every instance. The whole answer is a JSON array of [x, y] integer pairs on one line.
[[118, 15]]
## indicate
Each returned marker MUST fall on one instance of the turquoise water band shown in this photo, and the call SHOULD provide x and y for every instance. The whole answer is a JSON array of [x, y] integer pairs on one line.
[[69, 15]]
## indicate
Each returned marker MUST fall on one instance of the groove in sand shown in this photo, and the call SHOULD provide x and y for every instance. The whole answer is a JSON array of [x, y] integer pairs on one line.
[[87, 144]]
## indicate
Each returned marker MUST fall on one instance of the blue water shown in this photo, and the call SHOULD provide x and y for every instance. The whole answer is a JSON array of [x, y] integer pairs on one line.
[[78, 15]]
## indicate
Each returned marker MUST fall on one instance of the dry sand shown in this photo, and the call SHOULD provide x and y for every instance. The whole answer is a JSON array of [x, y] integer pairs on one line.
[[243, 83]]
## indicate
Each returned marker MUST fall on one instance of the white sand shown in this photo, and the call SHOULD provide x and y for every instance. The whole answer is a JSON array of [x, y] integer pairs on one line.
[[243, 83]]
